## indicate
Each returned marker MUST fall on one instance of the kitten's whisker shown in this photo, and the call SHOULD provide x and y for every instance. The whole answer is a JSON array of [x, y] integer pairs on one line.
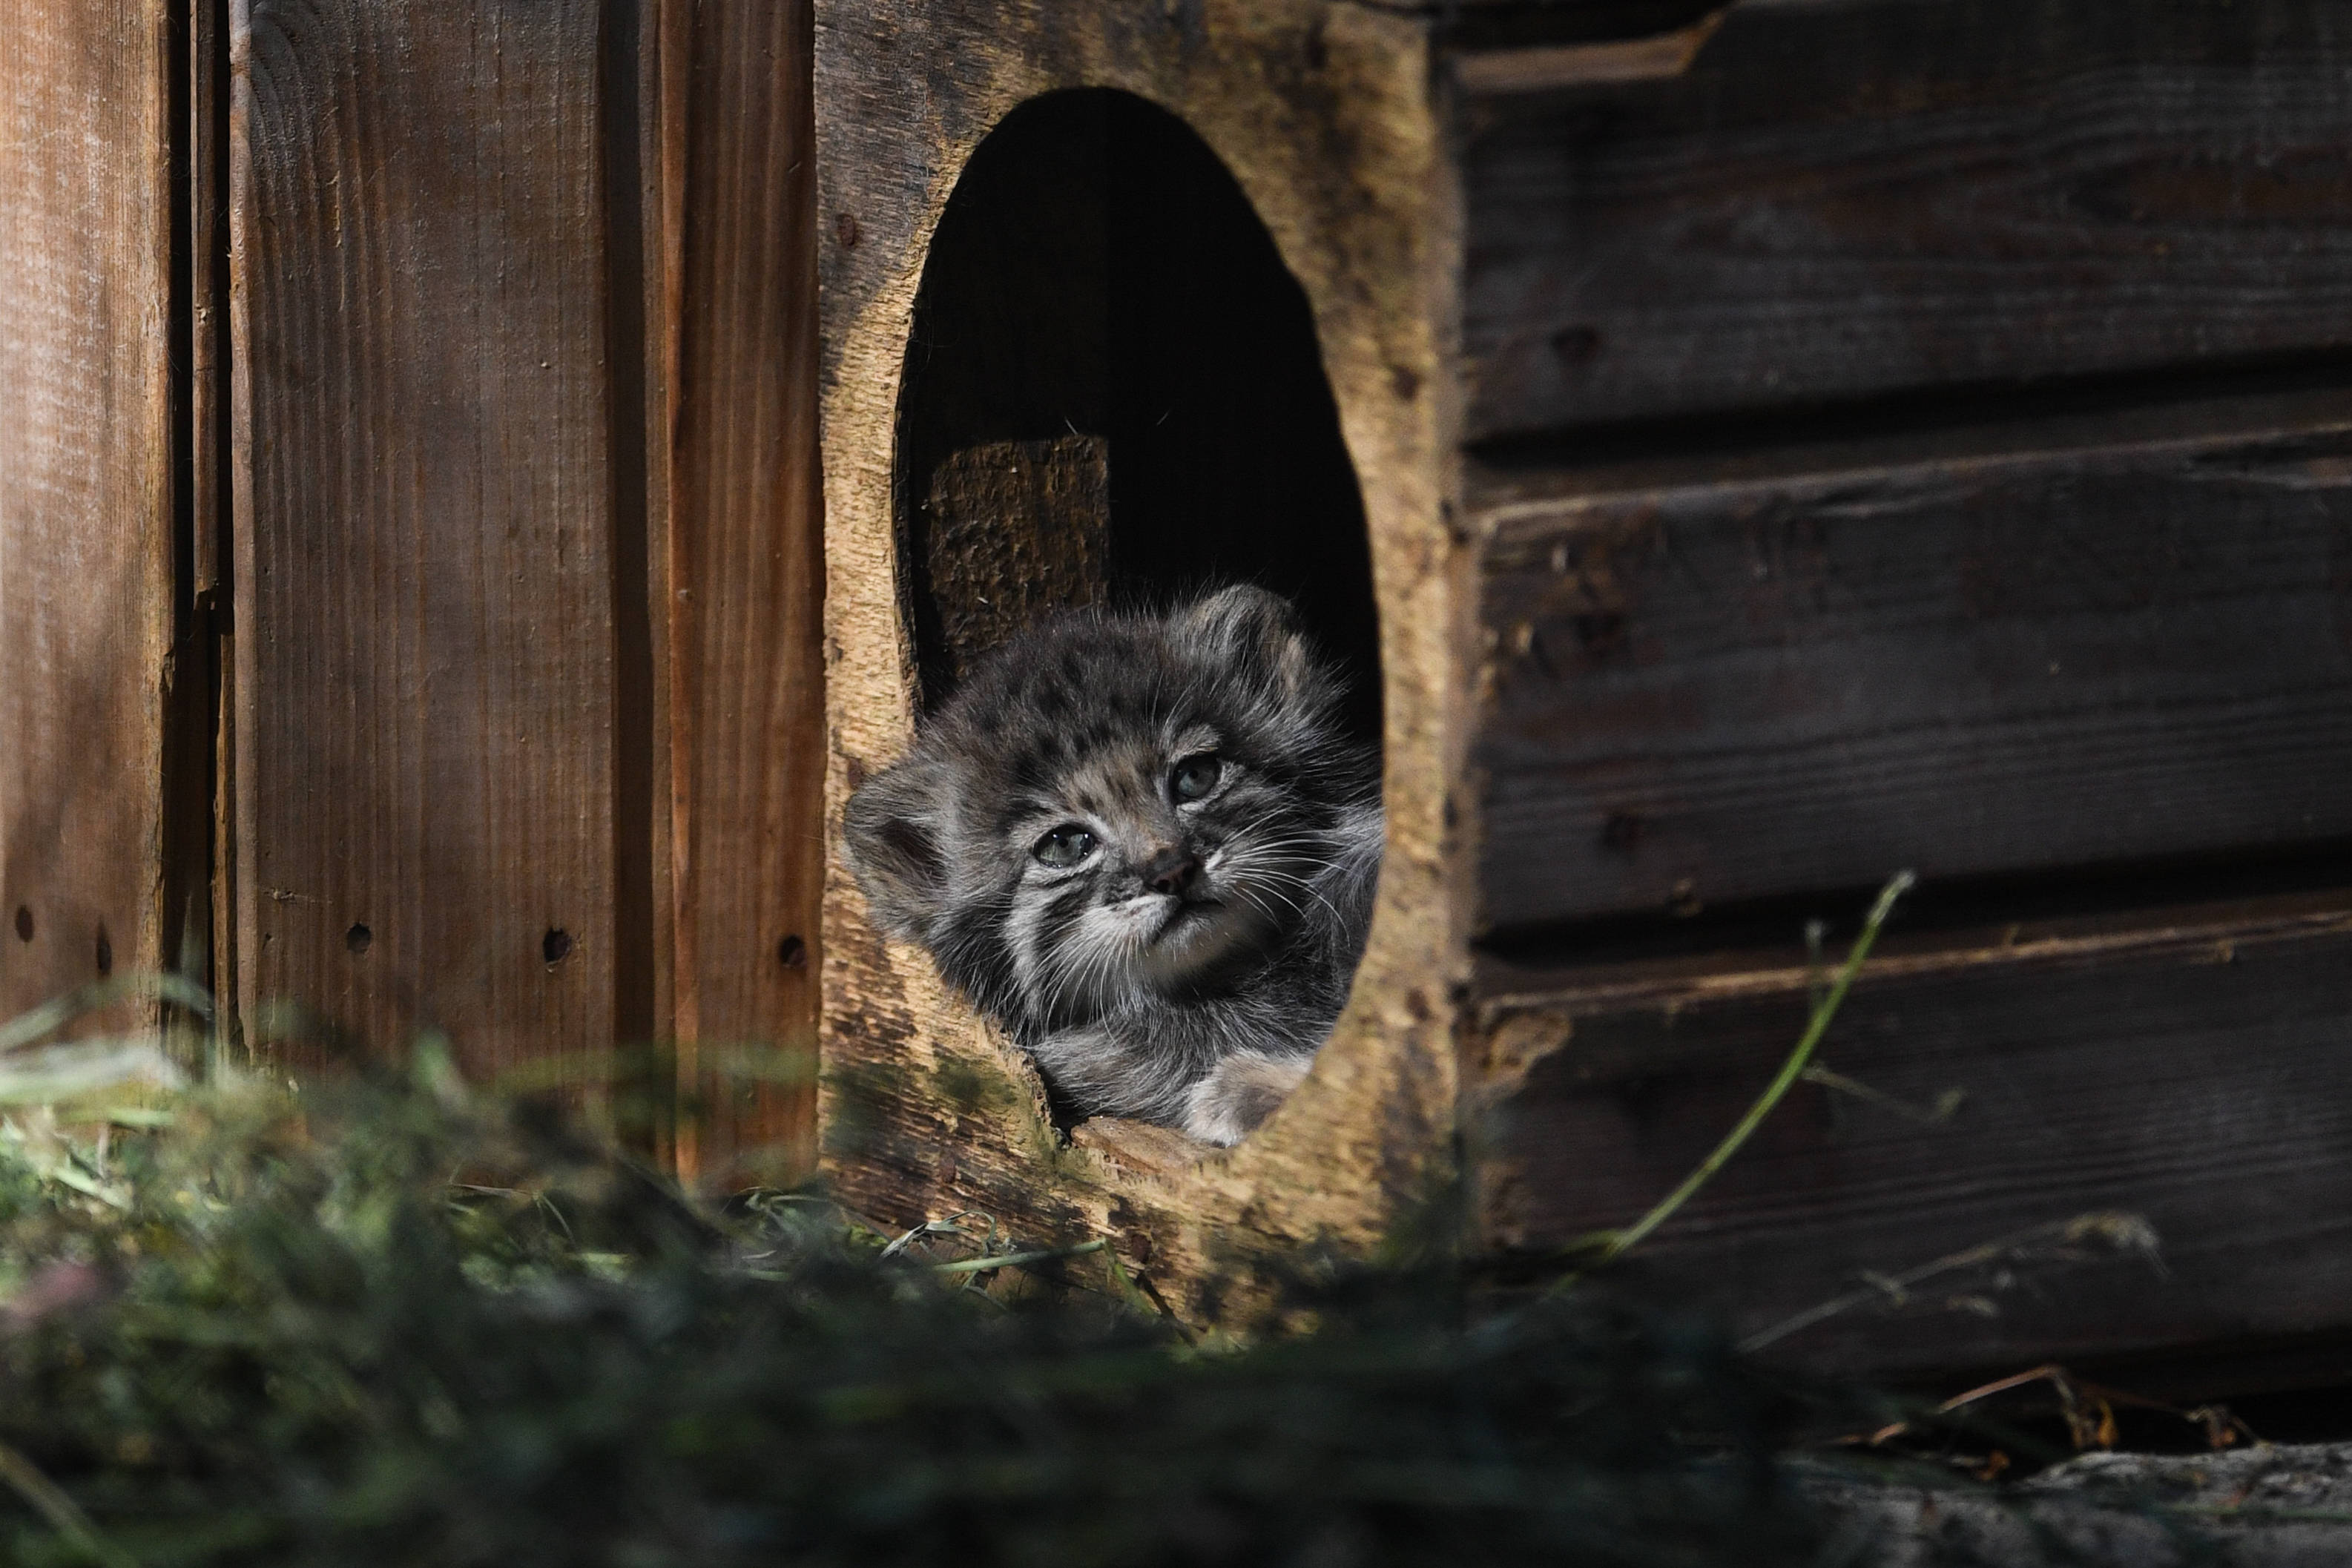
[[1076, 978], [1298, 841], [1307, 887], [1097, 968], [1105, 951], [1241, 889], [1274, 861], [1268, 910], [1296, 908], [1053, 989], [1265, 865]]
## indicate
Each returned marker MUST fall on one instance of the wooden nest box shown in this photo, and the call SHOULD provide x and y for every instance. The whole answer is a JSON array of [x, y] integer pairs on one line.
[[1740, 452]]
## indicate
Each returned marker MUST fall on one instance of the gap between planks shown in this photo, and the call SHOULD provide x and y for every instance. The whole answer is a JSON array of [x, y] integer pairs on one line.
[[2214, 941]]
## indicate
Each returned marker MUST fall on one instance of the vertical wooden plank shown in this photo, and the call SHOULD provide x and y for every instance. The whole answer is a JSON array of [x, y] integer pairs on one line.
[[207, 263], [235, 811], [423, 579], [732, 273], [664, 38], [85, 490]]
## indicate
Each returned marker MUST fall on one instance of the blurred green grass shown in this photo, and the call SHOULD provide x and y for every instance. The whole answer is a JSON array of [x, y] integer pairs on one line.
[[395, 1320]]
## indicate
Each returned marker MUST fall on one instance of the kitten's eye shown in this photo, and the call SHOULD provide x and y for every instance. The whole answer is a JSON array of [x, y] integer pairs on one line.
[[1195, 776], [1065, 846]]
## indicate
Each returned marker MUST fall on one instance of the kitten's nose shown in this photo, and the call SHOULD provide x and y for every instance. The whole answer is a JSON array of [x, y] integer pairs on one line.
[[1171, 870]]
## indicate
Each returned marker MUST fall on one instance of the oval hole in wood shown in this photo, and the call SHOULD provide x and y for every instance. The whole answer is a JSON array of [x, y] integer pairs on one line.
[[1114, 394]]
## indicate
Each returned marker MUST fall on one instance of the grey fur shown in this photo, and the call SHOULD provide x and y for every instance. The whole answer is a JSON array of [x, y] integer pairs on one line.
[[1194, 1004]]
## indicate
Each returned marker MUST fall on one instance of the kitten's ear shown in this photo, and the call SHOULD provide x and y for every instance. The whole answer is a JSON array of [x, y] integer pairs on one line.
[[1259, 630], [896, 827]]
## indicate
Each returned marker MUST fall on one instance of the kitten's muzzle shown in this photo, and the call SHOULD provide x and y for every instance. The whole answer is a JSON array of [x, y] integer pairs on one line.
[[1172, 871]]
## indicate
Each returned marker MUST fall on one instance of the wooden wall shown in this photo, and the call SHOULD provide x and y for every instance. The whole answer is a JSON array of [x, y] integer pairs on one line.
[[1864, 197], [86, 523], [527, 679], [426, 666], [408, 528], [1914, 436], [1889, 437], [738, 565]]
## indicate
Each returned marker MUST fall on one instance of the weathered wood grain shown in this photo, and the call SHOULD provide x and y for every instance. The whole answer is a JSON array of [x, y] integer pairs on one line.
[[2013, 655], [927, 1111], [1013, 530], [423, 584], [1518, 26], [732, 327], [206, 161], [2189, 1066], [1839, 200], [85, 452], [2006, 662]]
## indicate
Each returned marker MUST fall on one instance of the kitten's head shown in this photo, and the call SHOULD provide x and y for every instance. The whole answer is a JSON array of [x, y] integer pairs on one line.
[[1114, 807]]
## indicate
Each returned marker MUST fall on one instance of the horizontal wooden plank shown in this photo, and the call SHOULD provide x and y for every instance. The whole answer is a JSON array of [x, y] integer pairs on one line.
[[1836, 200], [2194, 1075], [1769, 686], [85, 592]]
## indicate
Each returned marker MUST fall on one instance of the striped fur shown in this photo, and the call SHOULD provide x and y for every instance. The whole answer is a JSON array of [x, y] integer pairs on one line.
[[1143, 845]]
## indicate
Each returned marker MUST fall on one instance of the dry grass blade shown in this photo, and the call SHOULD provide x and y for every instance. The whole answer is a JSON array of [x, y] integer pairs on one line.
[[39, 1023], [2089, 1409], [1948, 1103], [53, 1075], [2114, 1233], [950, 1226], [1018, 1259]]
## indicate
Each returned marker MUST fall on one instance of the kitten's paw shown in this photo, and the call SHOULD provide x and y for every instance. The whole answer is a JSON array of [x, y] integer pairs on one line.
[[1240, 1093]]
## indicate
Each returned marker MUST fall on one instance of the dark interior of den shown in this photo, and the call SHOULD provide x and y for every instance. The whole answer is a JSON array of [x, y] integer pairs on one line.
[[1114, 395]]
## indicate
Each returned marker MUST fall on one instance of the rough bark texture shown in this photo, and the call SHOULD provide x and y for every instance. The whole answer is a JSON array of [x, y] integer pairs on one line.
[[2288, 1506]]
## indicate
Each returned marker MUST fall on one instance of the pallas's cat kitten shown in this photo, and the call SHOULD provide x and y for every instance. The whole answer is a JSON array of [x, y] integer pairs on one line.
[[1142, 844]]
